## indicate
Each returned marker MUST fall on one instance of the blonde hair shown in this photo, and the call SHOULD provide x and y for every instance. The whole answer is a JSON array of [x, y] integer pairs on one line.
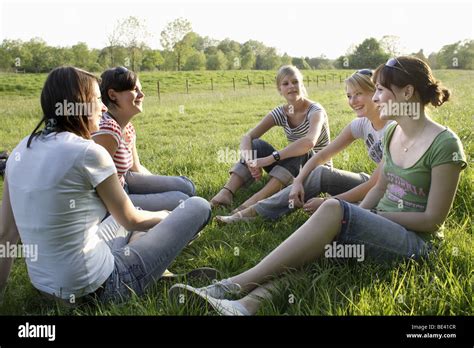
[[360, 81], [290, 70]]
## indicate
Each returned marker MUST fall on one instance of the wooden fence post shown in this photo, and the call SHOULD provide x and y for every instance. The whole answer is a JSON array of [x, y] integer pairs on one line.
[[158, 87]]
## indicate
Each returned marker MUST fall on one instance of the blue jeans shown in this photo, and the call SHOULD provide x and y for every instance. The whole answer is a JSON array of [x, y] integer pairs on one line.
[[383, 239], [142, 262], [158, 192], [285, 170], [322, 179]]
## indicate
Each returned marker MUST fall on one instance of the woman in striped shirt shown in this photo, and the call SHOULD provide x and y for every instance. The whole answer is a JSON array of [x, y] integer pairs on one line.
[[122, 94], [306, 127]]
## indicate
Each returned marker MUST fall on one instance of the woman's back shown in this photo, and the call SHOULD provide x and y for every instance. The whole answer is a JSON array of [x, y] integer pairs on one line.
[[56, 208]]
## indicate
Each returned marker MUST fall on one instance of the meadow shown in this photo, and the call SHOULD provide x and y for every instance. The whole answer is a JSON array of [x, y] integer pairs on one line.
[[182, 134]]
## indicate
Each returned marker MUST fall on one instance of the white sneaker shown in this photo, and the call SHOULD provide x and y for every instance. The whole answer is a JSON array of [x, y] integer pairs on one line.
[[220, 289], [222, 307]]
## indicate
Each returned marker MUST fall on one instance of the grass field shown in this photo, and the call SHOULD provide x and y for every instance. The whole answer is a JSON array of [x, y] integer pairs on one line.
[[182, 136]]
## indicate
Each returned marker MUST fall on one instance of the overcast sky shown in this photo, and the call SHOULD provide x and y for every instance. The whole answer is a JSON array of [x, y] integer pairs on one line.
[[300, 28]]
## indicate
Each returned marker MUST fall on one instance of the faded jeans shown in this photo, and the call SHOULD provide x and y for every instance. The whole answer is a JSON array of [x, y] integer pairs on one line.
[[322, 179], [158, 192], [142, 262]]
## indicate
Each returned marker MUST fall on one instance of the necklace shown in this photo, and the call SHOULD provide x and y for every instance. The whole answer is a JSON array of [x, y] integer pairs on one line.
[[405, 148]]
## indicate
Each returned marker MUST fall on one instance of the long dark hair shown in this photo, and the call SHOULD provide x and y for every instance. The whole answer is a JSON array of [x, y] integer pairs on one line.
[[66, 85]]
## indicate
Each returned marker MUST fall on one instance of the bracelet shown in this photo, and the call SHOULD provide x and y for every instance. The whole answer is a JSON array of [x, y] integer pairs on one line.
[[373, 210]]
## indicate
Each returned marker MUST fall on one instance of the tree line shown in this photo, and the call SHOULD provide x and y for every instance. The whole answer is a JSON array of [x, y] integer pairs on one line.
[[184, 49]]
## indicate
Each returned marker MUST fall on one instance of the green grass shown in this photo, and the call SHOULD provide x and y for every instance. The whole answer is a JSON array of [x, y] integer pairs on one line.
[[187, 144]]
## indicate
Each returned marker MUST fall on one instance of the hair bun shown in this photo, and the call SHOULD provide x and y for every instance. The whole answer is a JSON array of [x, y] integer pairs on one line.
[[437, 94]]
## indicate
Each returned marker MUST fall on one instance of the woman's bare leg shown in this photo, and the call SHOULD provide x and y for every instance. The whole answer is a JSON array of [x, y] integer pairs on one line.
[[224, 197], [306, 244], [273, 185], [253, 300]]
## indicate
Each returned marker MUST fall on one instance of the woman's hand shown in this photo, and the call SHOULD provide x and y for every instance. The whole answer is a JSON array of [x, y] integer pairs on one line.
[[312, 205], [264, 161], [162, 214], [255, 171], [296, 197]]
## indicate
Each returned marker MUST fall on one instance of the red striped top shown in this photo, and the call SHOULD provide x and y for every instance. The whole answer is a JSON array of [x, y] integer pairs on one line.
[[125, 139]]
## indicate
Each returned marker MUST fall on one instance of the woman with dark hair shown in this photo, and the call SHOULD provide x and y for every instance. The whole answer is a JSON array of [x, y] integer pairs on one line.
[[399, 217], [122, 93], [59, 185]]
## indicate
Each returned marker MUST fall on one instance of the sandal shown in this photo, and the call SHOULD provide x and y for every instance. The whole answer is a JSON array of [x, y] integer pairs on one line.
[[215, 203]]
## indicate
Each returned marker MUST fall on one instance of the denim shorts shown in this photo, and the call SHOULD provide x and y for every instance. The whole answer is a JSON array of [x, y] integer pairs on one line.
[[383, 239]]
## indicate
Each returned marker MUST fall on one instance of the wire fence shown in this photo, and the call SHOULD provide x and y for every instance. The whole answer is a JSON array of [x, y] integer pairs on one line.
[[237, 83]]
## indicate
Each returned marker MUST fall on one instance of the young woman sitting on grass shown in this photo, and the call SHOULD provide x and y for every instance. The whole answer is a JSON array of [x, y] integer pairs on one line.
[[57, 189], [315, 177], [401, 214], [122, 93], [307, 129]]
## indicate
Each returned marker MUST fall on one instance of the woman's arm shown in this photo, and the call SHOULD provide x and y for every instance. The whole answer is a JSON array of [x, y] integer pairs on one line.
[[376, 193], [8, 234], [303, 145], [137, 166], [358, 193], [444, 183], [122, 209], [108, 142], [343, 140], [260, 129], [300, 146]]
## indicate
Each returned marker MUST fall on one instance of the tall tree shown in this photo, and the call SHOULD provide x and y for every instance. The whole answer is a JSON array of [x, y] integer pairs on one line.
[[172, 39], [132, 33], [392, 45], [369, 54]]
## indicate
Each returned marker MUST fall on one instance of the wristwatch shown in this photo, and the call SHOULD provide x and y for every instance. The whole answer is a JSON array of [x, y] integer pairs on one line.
[[276, 155]]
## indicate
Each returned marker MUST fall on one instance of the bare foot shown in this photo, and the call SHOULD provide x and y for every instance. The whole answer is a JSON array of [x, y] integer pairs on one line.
[[240, 208], [247, 214], [223, 198]]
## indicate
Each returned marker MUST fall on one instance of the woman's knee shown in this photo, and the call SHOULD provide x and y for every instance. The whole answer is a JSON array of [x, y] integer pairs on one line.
[[261, 148], [201, 206], [190, 188], [332, 206], [198, 203]]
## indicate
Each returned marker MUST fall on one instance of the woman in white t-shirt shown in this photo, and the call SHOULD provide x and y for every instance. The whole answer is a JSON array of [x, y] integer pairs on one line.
[[57, 189], [315, 177]]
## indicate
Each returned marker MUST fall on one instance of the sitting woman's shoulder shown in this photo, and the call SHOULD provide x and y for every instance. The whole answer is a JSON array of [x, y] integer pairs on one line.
[[447, 148]]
